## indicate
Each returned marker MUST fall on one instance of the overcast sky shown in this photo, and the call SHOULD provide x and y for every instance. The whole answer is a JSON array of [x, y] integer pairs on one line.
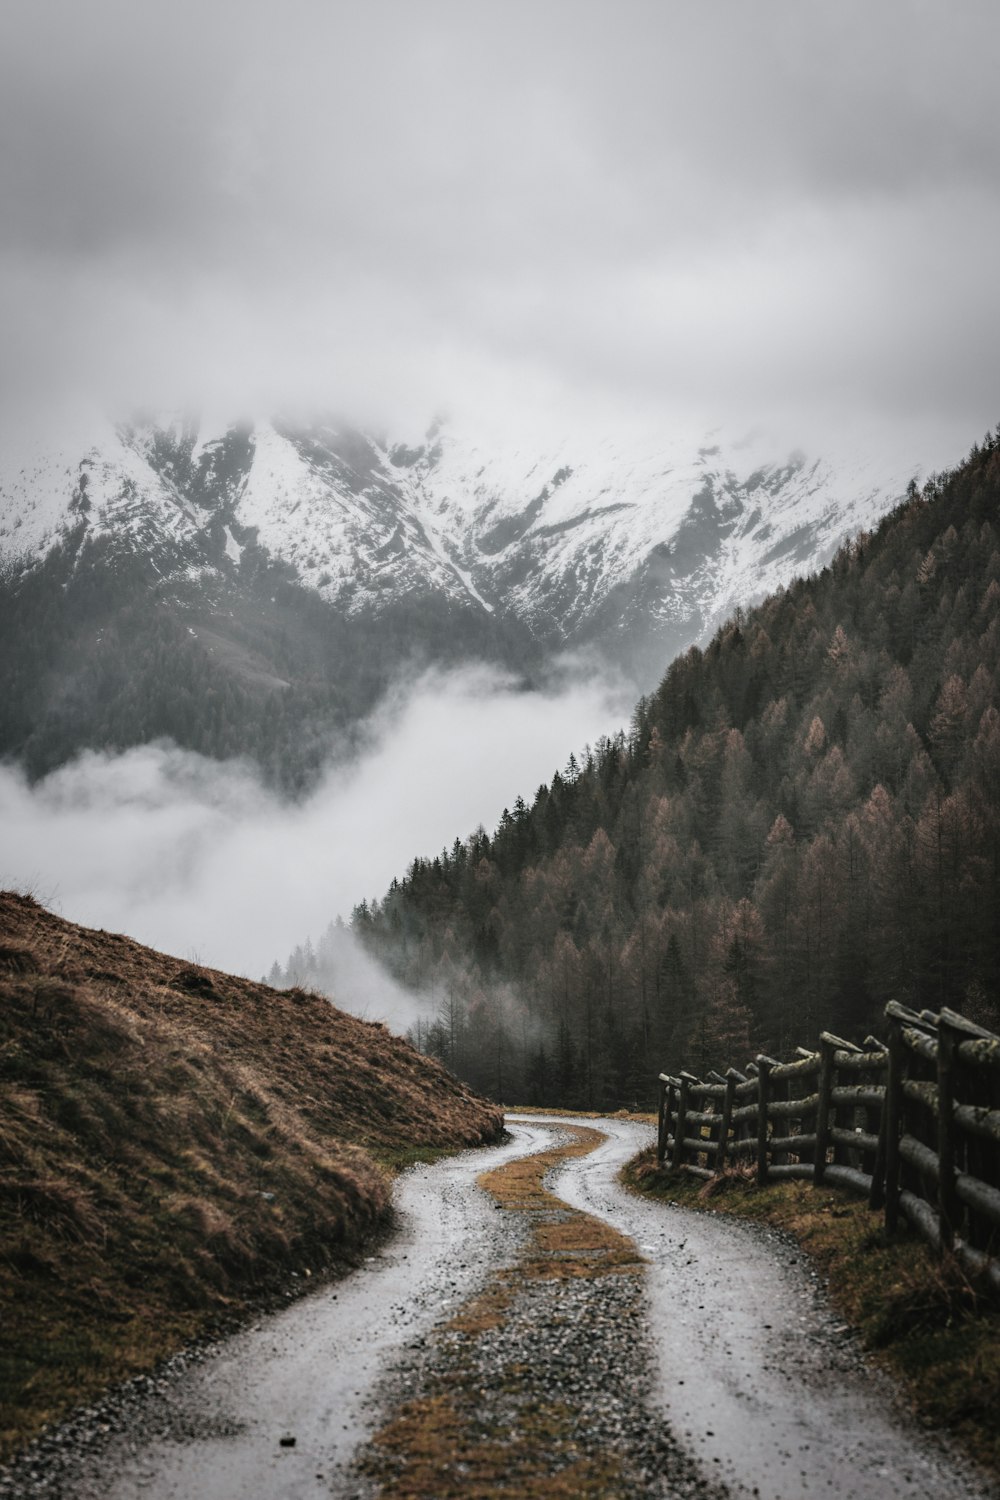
[[776, 210]]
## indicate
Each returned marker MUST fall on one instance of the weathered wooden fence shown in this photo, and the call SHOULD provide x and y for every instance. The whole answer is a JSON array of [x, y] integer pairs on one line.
[[913, 1122]]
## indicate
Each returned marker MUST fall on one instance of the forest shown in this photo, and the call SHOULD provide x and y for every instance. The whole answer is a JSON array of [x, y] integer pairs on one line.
[[802, 823]]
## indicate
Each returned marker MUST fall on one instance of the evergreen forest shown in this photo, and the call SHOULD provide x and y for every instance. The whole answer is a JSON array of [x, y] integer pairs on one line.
[[802, 823]]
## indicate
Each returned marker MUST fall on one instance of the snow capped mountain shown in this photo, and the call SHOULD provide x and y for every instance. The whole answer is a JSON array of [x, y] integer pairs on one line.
[[636, 546], [659, 538], [51, 487]]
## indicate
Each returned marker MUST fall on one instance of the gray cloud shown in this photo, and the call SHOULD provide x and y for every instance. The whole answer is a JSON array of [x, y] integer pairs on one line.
[[774, 209]]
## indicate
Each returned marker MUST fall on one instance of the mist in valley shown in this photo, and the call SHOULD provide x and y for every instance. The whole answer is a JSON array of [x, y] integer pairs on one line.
[[198, 858]]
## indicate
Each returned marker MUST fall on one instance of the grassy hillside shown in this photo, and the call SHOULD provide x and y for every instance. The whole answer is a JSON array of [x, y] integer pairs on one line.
[[174, 1143]]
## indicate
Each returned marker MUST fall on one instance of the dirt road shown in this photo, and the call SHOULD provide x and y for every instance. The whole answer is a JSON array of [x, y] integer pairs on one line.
[[503, 1342], [753, 1370]]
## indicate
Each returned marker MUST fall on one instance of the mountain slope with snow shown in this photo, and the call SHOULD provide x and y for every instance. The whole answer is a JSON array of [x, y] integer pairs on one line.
[[576, 539], [663, 538], [282, 558]]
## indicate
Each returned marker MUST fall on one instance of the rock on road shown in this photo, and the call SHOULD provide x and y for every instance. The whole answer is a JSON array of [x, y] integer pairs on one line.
[[752, 1373]]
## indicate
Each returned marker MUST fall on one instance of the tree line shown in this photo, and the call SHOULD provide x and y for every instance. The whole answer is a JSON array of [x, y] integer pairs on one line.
[[801, 823]]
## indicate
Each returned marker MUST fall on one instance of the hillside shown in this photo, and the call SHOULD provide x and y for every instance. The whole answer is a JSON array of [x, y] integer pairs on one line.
[[254, 588], [176, 1143], [803, 823]]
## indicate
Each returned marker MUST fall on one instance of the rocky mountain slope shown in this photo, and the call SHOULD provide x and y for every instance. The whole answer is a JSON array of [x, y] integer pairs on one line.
[[449, 548]]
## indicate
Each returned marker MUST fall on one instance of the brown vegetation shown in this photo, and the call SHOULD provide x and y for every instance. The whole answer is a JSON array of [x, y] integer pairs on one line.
[[174, 1143]]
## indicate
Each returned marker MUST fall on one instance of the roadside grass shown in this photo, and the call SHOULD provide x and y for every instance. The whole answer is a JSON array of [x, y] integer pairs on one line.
[[398, 1159], [564, 1242], [178, 1146], [439, 1442], [435, 1447], [919, 1316]]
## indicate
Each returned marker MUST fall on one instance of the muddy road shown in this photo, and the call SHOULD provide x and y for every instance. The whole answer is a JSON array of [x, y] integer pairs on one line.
[[505, 1340]]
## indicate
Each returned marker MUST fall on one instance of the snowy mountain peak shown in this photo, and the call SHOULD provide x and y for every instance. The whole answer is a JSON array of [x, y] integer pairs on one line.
[[638, 544]]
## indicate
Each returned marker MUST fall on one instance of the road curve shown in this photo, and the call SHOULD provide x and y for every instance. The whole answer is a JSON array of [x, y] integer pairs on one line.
[[214, 1432], [755, 1375]]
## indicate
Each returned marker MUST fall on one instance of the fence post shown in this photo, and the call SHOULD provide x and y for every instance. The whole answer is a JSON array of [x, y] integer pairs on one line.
[[662, 1119], [949, 1209], [876, 1193], [893, 1112], [824, 1086], [682, 1103], [764, 1065], [726, 1121]]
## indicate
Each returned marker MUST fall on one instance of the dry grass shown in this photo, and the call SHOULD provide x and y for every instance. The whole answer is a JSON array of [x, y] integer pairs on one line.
[[437, 1445], [565, 1242], [435, 1450], [174, 1142], [919, 1316]]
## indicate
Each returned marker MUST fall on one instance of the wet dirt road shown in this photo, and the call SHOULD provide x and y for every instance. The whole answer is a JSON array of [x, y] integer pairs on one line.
[[308, 1372], [754, 1373], [767, 1403]]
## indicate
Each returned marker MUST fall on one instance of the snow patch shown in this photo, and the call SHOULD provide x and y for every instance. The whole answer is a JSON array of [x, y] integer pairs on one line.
[[233, 548]]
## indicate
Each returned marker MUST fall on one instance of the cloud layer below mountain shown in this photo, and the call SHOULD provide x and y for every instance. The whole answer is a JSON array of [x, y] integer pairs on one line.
[[197, 858]]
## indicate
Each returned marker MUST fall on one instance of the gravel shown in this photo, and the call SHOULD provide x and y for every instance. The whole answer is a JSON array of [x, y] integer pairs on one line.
[[720, 1370], [582, 1345], [209, 1425]]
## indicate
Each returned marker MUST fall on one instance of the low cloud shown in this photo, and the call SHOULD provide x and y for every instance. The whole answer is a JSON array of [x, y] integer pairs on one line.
[[198, 858], [340, 967]]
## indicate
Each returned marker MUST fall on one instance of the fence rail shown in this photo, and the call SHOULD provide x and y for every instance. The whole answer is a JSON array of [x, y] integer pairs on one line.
[[913, 1122]]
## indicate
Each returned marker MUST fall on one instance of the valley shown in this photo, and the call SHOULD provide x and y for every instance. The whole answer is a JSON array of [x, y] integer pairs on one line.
[[541, 1333]]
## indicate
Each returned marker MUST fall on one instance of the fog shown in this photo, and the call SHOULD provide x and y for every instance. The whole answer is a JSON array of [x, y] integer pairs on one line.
[[774, 212], [357, 982], [199, 859]]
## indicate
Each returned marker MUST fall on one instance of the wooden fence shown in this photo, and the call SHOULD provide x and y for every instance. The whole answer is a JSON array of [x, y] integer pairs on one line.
[[913, 1122]]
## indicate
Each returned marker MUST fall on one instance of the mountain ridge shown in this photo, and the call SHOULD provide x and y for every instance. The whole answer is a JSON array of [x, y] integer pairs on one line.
[[343, 507], [320, 561]]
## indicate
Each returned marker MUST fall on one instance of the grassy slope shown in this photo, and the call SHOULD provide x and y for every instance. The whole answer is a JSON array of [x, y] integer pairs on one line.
[[920, 1315], [174, 1142]]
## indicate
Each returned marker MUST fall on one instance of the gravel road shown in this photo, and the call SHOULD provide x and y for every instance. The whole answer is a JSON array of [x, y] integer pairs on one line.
[[762, 1390], [211, 1428], [755, 1374]]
